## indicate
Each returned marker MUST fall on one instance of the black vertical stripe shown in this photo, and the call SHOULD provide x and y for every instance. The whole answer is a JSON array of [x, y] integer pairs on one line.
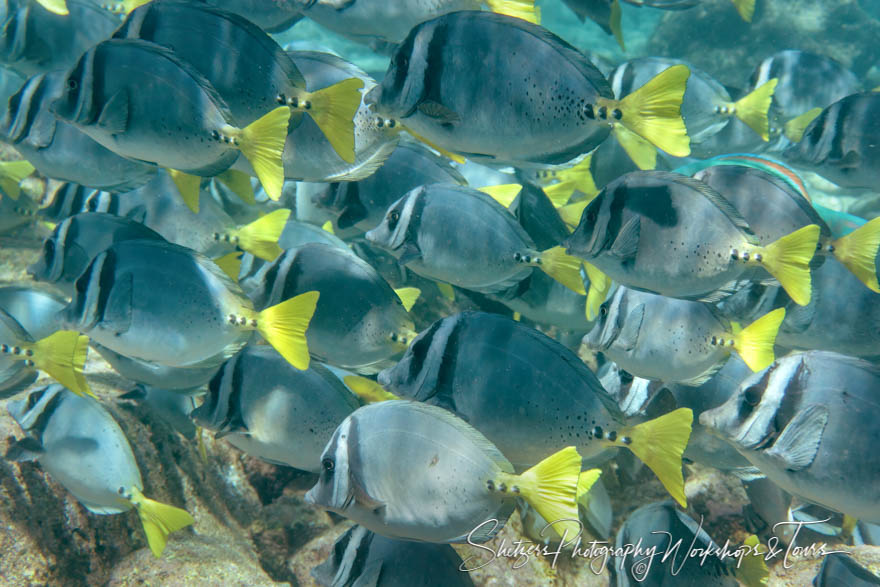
[[432, 77]]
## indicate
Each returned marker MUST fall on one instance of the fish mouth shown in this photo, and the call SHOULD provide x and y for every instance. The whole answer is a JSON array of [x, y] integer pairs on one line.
[[310, 497]]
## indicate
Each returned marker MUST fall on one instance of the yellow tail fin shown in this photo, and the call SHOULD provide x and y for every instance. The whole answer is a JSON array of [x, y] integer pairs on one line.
[[794, 128], [600, 285], [284, 327], [753, 571], [755, 342], [260, 237], [188, 186], [746, 9], [333, 110], [328, 227], [446, 291], [56, 6], [858, 252], [230, 264], [562, 267], [504, 194], [614, 23], [159, 520], [788, 260], [63, 356], [654, 111], [578, 178], [659, 443], [571, 213], [367, 389], [262, 143], [11, 174], [752, 108], [408, 296], [642, 153], [130, 5], [524, 9], [239, 183], [550, 487], [586, 480]]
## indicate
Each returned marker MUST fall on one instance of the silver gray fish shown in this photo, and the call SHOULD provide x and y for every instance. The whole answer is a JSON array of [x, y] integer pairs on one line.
[[16, 213], [360, 557], [411, 471], [546, 106], [82, 447], [528, 394], [807, 423], [841, 569], [707, 106], [461, 236], [36, 40], [674, 536], [162, 303], [359, 320], [263, 406], [72, 198], [272, 17], [59, 150], [806, 80], [254, 74], [841, 144], [77, 240], [167, 113], [675, 236], [155, 374], [362, 204], [672, 340]]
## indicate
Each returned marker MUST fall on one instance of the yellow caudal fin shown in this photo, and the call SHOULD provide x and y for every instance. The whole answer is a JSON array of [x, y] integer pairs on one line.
[[659, 443], [239, 184], [367, 389], [753, 571], [753, 107], [260, 237], [755, 342], [408, 296], [559, 193], [614, 23], [586, 480], [11, 174], [230, 264], [551, 488], [56, 6], [504, 194], [858, 252], [333, 110], [328, 227], [788, 260], [642, 153], [600, 285], [262, 143], [63, 356], [848, 527], [448, 154], [745, 8], [159, 520], [571, 213], [654, 111], [794, 128], [578, 178], [562, 267], [284, 327], [130, 5], [188, 186], [446, 290], [524, 9]]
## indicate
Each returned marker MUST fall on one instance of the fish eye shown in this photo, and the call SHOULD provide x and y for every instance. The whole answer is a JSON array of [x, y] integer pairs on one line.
[[393, 219], [752, 396], [71, 84], [603, 310], [328, 465]]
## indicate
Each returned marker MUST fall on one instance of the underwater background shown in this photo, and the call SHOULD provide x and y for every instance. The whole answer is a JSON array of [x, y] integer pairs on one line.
[[252, 525]]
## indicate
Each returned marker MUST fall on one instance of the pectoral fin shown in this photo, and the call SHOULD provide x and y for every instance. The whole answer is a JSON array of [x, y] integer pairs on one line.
[[799, 442], [626, 245], [114, 116], [438, 112]]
